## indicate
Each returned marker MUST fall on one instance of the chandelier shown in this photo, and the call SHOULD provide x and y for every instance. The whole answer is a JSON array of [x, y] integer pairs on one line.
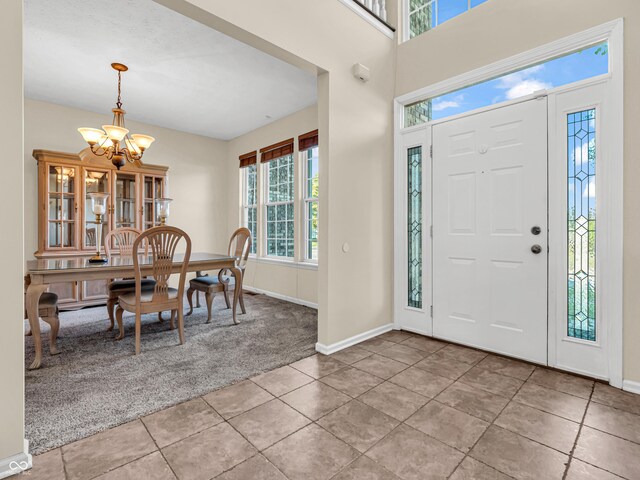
[[113, 140]]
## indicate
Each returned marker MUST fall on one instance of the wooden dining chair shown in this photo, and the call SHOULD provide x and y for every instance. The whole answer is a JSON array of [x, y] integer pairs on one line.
[[48, 311], [162, 242], [123, 239], [239, 246]]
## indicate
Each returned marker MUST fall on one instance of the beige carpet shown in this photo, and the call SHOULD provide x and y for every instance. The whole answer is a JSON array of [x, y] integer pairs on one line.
[[97, 382]]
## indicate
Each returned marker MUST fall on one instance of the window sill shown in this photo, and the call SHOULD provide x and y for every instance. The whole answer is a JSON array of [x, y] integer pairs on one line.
[[284, 263], [370, 17]]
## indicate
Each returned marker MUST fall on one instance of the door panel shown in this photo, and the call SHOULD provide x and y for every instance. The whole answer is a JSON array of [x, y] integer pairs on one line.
[[489, 190]]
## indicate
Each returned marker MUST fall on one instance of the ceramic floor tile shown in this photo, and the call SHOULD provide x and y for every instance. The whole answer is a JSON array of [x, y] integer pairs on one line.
[[175, 423], [552, 401], [208, 453], [563, 382], [609, 453], [616, 398], [269, 423], [412, 455], [507, 366], [443, 366], [550, 430], [359, 425], [375, 344], [403, 353], [471, 469], [151, 467], [95, 455], [426, 344], [238, 398], [473, 401], [421, 381], [463, 354], [394, 400], [365, 469], [579, 470], [315, 399], [492, 382], [380, 366], [256, 468], [311, 454], [395, 336], [282, 380], [453, 427], [518, 456], [318, 365], [351, 381], [616, 422], [351, 355], [47, 466]]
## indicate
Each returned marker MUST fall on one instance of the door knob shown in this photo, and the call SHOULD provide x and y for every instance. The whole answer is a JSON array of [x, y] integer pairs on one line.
[[536, 230], [536, 249]]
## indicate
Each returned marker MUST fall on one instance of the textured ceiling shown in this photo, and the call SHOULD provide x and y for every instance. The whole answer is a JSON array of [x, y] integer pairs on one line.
[[182, 74]]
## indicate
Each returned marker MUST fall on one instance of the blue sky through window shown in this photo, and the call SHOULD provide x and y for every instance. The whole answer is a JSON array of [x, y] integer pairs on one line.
[[571, 68]]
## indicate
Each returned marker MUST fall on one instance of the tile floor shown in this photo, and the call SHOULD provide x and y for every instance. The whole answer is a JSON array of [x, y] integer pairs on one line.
[[399, 406]]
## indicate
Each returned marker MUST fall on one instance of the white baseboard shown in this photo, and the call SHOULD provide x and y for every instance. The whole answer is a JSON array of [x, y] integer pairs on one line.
[[16, 463], [348, 342], [280, 296], [631, 386]]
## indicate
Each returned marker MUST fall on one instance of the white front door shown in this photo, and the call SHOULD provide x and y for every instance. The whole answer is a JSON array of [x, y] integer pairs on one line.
[[490, 230]]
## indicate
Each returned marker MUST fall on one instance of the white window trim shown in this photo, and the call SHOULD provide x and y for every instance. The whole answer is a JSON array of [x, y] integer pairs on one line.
[[305, 201], [612, 255], [266, 204]]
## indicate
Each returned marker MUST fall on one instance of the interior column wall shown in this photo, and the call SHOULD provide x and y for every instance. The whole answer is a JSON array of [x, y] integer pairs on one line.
[[11, 218], [499, 29]]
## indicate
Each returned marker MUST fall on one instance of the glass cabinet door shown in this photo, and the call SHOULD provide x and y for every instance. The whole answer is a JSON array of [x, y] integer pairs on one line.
[[94, 181], [152, 189], [61, 192], [125, 200]]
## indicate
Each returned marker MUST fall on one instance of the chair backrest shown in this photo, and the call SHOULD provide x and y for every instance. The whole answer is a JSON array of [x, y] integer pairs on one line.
[[124, 238], [240, 245], [162, 241]]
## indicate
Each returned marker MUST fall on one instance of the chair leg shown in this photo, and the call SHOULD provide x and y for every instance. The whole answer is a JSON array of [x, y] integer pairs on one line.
[[197, 299], [181, 326], [190, 300], [226, 297], [160, 319], [111, 307], [119, 312], [209, 298], [138, 328], [173, 316], [241, 299]]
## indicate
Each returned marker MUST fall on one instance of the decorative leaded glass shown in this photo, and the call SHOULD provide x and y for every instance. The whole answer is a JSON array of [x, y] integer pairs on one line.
[[581, 201], [414, 226], [417, 113]]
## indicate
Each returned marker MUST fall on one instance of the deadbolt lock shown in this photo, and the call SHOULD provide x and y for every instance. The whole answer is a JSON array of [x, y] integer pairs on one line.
[[536, 230]]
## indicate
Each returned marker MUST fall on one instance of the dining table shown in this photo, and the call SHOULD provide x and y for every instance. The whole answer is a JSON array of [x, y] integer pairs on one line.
[[43, 272]]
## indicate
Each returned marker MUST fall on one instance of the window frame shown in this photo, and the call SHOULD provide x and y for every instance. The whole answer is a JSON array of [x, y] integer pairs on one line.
[[307, 199], [406, 14], [266, 204]]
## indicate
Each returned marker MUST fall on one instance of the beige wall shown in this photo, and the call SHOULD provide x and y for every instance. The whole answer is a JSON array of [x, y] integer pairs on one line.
[[289, 280], [356, 174], [11, 258], [501, 28], [197, 170]]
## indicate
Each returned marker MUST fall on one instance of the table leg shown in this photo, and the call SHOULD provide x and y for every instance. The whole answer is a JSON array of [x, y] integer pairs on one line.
[[33, 299]]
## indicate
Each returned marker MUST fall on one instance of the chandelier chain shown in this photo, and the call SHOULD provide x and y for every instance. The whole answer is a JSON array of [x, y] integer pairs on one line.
[[119, 102]]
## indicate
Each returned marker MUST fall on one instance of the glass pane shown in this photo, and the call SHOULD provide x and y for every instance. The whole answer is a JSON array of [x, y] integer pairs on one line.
[[68, 207], [148, 187], [68, 232], [94, 181], [417, 113], [313, 165], [581, 238], [55, 207], [414, 227], [158, 187], [126, 200], [252, 219], [55, 179], [312, 230], [447, 9], [421, 16], [68, 180], [55, 234]]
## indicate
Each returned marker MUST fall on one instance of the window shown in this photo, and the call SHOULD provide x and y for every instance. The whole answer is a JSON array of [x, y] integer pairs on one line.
[[310, 158], [414, 226], [423, 15], [279, 204], [250, 204], [581, 225], [576, 66]]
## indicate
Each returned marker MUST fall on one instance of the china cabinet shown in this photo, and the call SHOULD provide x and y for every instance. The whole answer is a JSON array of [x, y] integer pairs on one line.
[[66, 222]]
